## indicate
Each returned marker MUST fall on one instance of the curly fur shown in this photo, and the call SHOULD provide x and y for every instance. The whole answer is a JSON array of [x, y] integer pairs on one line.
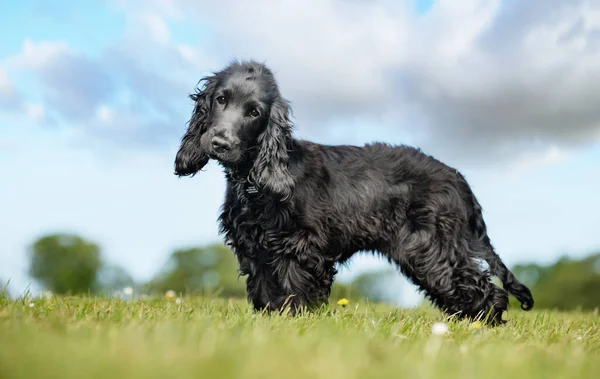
[[294, 209]]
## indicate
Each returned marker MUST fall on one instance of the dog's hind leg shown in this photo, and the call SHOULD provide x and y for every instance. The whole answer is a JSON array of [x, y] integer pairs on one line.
[[485, 250], [508, 279], [449, 276]]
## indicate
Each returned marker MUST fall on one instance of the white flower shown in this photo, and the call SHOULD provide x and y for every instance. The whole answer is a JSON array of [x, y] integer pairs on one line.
[[170, 294], [439, 329], [178, 301], [128, 291], [31, 305], [48, 294]]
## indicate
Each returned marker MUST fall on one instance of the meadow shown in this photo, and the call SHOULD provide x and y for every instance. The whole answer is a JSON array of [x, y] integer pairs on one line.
[[195, 337]]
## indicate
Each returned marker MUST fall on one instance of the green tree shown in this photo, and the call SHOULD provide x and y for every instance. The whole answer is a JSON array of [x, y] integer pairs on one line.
[[65, 263], [366, 286], [113, 277], [208, 269], [567, 284]]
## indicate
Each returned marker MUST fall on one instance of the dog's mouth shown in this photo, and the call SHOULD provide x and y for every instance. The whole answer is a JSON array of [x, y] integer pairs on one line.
[[226, 157]]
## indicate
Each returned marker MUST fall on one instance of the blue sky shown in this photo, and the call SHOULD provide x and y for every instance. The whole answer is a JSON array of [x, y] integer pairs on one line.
[[93, 103]]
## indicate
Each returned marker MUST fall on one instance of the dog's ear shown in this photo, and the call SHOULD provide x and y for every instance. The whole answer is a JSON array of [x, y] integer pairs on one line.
[[270, 170], [191, 158]]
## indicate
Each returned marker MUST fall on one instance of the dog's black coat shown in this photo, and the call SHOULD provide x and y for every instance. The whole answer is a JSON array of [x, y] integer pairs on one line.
[[293, 208]]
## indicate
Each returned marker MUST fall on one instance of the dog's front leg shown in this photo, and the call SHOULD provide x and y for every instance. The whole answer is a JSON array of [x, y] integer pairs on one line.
[[304, 284], [262, 287]]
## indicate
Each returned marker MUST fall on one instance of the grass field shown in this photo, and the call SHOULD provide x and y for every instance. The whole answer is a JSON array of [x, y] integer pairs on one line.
[[85, 337]]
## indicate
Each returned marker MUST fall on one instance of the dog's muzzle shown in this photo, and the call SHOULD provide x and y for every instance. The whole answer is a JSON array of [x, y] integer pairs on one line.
[[220, 145]]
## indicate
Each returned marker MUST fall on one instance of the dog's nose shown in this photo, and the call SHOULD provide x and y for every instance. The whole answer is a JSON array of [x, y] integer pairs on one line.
[[220, 144]]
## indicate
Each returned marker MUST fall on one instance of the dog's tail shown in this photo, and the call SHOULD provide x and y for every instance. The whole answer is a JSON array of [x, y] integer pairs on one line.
[[497, 267]]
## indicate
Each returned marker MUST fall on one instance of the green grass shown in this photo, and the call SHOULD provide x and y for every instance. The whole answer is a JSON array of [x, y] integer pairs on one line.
[[85, 337]]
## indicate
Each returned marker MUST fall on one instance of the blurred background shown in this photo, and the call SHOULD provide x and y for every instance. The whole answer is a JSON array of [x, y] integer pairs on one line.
[[93, 103]]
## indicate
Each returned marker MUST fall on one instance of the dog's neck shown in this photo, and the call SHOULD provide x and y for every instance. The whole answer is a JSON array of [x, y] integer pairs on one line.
[[242, 180]]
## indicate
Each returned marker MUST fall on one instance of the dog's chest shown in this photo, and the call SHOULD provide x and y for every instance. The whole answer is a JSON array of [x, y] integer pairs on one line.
[[258, 224]]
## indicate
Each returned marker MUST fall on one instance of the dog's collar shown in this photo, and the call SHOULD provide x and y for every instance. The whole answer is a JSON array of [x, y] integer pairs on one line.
[[250, 188], [247, 184]]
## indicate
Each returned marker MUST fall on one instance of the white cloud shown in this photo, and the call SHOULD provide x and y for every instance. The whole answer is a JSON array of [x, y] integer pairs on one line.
[[36, 112], [69, 83], [36, 55], [479, 78], [86, 92], [189, 54], [104, 114], [152, 26], [550, 156], [167, 8], [9, 96], [461, 72], [450, 30], [329, 57], [5, 82]]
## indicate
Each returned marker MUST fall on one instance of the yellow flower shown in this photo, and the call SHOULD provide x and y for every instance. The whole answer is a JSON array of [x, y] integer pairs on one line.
[[343, 302], [476, 325]]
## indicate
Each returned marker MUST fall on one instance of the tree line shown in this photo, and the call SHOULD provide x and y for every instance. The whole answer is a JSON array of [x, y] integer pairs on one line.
[[71, 264]]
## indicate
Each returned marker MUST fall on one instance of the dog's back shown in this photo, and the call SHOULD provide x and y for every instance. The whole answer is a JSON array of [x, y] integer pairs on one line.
[[366, 185]]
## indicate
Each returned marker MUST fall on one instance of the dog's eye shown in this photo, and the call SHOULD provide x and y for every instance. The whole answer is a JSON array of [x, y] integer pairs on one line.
[[221, 100], [254, 112]]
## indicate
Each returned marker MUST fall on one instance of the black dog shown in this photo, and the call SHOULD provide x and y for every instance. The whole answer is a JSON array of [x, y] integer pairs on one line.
[[293, 208]]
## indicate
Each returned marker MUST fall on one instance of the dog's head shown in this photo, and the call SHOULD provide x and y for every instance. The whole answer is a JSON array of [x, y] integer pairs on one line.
[[240, 120]]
